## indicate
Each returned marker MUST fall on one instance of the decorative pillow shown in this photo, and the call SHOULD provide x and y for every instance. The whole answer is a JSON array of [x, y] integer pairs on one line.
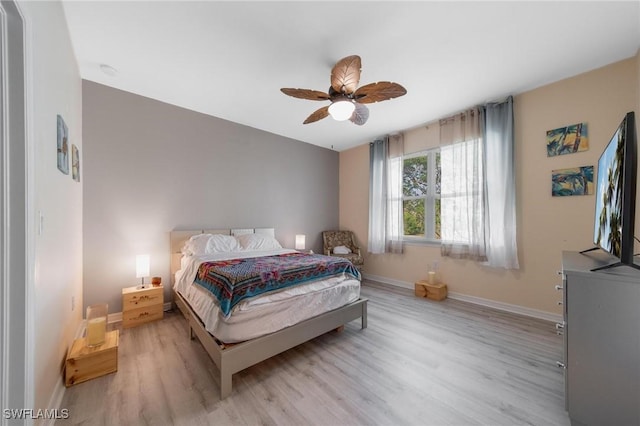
[[258, 242], [341, 250], [196, 245], [219, 243]]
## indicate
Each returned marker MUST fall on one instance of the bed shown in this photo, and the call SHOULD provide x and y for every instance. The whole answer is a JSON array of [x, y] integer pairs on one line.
[[240, 333]]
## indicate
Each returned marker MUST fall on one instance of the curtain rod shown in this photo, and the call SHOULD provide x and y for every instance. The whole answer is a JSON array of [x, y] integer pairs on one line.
[[446, 119]]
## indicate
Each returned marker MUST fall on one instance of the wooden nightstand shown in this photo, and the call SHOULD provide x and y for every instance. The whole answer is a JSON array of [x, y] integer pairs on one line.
[[84, 363], [141, 305]]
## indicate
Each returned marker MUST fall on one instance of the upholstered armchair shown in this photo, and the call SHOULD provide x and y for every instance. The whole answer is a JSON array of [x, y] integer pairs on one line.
[[333, 239]]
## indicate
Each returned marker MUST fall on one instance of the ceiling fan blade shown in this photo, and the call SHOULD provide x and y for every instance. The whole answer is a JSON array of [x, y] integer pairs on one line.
[[380, 91], [345, 75], [360, 115], [317, 115], [312, 95]]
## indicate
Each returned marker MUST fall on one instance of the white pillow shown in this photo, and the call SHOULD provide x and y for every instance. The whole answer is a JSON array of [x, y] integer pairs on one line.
[[341, 250], [196, 245], [219, 243], [258, 242]]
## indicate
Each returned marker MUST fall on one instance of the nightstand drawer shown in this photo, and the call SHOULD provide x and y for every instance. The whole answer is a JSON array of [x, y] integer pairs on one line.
[[141, 298], [139, 316]]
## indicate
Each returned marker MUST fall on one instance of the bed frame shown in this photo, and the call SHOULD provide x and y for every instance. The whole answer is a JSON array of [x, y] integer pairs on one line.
[[236, 357]]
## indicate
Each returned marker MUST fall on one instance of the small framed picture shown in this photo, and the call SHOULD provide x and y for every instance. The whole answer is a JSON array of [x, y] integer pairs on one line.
[[63, 146], [75, 163]]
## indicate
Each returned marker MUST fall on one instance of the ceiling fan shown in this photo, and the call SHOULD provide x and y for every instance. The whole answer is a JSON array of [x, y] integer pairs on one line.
[[347, 101]]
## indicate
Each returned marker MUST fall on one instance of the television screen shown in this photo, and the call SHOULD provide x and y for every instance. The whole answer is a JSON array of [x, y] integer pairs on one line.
[[608, 222], [615, 193]]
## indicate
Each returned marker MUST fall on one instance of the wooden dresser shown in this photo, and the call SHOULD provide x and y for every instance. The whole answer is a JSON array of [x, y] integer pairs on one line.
[[141, 305]]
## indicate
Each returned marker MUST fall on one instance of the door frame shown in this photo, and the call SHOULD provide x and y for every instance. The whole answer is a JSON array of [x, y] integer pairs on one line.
[[17, 242]]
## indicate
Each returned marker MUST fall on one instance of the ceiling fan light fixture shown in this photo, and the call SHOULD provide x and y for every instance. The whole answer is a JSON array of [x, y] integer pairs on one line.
[[341, 110], [347, 99]]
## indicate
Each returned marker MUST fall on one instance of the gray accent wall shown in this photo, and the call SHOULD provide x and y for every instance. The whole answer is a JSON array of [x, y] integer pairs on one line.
[[149, 168]]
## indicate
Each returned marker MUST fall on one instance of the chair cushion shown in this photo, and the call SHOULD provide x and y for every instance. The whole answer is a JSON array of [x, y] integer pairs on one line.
[[341, 250]]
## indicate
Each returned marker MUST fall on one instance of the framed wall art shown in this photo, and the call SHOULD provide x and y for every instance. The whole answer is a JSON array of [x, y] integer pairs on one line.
[[75, 163], [63, 146], [567, 140], [573, 181]]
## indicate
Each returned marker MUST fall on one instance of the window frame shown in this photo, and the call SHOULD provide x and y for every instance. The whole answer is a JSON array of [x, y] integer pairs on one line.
[[429, 199]]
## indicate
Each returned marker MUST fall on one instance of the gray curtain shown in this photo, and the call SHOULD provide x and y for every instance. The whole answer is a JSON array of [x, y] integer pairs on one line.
[[377, 195], [500, 185], [385, 195]]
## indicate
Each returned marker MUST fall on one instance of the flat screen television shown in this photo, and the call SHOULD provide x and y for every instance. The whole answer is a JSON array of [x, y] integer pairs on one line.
[[616, 195]]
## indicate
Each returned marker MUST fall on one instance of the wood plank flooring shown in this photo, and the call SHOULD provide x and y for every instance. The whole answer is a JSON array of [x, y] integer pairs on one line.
[[418, 363]]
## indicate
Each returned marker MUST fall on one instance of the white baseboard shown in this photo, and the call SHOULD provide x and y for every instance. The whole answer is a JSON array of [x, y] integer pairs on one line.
[[385, 280], [507, 307], [55, 401], [59, 390]]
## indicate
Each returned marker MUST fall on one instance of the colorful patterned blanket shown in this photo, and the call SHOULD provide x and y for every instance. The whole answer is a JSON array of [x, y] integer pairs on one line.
[[233, 280]]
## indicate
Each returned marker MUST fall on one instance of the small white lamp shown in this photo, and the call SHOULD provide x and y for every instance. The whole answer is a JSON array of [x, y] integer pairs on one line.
[[142, 267], [300, 241]]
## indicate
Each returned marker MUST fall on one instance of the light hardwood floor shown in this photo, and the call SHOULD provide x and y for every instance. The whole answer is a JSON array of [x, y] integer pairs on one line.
[[418, 363]]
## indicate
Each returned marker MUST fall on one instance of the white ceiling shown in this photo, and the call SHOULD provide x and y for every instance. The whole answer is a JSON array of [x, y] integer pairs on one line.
[[229, 59]]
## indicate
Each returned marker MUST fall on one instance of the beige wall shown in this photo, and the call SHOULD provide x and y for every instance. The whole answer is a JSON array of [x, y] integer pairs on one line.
[[55, 88], [546, 225]]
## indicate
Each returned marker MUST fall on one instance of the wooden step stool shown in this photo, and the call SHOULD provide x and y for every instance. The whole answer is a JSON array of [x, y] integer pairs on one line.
[[431, 291], [84, 363]]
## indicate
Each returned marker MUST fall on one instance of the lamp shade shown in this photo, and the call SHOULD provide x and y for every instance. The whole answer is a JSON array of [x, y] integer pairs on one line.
[[341, 110], [300, 241], [142, 265]]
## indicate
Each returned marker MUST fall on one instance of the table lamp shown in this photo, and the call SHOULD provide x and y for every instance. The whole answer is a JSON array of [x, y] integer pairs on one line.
[[142, 267]]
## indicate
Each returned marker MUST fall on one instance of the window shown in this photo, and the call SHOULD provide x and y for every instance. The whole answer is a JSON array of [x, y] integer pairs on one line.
[[421, 196]]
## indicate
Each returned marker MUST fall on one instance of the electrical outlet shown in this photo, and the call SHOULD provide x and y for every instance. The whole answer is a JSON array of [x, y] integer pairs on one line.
[[73, 303]]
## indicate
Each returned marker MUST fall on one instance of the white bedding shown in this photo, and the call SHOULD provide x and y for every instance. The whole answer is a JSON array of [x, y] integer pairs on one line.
[[264, 314]]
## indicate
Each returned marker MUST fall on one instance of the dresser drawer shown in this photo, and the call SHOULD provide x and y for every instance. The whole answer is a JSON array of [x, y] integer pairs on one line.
[[139, 316], [142, 298]]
